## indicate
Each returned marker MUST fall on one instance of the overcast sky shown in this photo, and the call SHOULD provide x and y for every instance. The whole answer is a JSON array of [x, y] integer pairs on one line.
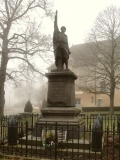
[[79, 15]]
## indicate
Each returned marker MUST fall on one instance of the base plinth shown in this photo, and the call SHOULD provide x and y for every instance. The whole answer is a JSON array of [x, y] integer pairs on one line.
[[60, 109], [60, 114]]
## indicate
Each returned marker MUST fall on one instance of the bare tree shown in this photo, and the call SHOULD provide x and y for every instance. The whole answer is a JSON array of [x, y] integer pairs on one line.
[[103, 61], [20, 39]]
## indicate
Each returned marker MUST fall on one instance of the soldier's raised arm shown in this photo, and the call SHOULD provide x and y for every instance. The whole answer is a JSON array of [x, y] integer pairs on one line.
[[55, 22]]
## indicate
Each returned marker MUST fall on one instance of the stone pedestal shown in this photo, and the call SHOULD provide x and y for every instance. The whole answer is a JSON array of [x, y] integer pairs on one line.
[[61, 102], [61, 88], [67, 118], [60, 97]]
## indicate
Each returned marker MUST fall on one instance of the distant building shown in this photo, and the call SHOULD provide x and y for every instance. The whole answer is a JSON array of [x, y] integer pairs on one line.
[[86, 99]]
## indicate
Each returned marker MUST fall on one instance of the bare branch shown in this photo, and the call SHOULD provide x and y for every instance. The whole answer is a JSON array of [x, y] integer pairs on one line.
[[32, 67], [27, 9], [2, 26], [7, 9]]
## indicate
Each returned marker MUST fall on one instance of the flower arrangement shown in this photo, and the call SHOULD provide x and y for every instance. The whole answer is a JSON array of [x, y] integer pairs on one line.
[[49, 140]]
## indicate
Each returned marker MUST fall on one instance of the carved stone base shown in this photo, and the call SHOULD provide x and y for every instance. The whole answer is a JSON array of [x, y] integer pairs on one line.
[[60, 107], [64, 117], [60, 114], [61, 88]]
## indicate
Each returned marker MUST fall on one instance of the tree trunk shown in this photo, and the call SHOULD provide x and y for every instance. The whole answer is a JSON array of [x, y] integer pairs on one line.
[[111, 105], [3, 67], [112, 91], [2, 83]]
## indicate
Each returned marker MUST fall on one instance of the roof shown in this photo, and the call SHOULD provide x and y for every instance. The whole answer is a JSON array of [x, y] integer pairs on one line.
[[79, 52]]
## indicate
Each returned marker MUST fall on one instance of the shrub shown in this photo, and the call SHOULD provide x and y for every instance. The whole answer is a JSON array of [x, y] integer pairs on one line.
[[28, 107]]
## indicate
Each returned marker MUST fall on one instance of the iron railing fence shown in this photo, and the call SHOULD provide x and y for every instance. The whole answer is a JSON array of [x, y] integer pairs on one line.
[[108, 120], [21, 118], [56, 140]]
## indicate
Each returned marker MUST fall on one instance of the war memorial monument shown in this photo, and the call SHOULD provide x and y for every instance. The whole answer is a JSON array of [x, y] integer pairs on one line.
[[61, 87]]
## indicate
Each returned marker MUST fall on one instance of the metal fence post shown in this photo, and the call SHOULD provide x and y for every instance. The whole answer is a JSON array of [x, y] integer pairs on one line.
[[12, 131], [26, 137], [96, 136], [118, 124], [32, 120], [56, 141], [1, 127]]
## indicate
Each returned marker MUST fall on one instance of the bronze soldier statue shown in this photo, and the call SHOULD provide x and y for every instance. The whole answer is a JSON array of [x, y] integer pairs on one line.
[[60, 44]]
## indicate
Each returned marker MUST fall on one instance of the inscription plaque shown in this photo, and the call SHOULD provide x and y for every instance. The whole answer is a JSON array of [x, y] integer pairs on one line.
[[61, 90]]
